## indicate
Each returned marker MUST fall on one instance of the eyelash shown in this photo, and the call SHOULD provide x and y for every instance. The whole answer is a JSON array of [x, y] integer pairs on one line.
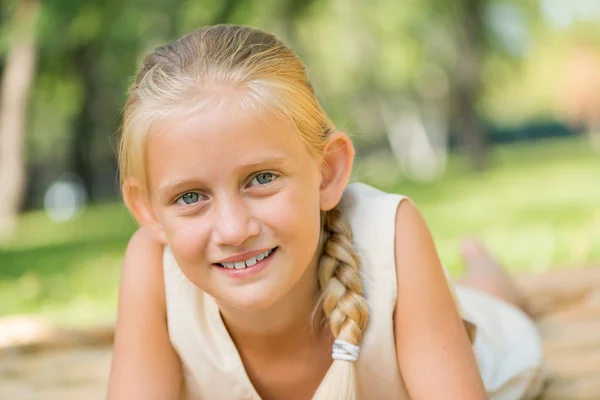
[[275, 176], [186, 204]]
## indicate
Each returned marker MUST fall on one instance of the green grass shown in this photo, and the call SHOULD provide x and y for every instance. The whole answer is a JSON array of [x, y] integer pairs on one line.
[[68, 272], [536, 208]]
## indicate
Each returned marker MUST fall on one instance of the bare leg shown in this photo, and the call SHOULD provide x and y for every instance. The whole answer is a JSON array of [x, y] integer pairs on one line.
[[485, 274]]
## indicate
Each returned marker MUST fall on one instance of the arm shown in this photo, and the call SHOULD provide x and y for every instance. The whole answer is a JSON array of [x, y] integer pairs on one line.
[[434, 353], [144, 364]]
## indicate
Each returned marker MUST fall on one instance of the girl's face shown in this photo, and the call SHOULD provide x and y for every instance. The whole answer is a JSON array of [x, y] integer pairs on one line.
[[237, 198]]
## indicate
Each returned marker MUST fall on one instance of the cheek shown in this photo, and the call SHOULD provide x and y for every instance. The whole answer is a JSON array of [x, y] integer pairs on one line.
[[187, 239], [295, 217]]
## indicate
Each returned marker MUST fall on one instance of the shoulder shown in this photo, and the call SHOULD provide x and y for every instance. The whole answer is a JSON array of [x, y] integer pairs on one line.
[[416, 258], [372, 214], [411, 230], [142, 273], [143, 244], [144, 258]]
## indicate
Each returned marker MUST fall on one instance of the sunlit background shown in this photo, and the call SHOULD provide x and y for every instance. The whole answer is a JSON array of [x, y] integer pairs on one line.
[[485, 112]]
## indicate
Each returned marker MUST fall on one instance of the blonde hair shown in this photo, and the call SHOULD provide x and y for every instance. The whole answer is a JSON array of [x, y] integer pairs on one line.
[[182, 77]]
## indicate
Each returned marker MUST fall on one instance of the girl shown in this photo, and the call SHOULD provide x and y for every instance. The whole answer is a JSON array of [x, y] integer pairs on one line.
[[258, 273]]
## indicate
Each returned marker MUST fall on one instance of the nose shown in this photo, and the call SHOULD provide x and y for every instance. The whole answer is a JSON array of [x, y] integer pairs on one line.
[[234, 223]]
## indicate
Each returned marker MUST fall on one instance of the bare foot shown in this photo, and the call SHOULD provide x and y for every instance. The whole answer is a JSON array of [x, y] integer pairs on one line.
[[485, 274]]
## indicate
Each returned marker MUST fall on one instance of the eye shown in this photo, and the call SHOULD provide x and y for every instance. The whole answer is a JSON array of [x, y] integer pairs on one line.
[[263, 178], [188, 198]]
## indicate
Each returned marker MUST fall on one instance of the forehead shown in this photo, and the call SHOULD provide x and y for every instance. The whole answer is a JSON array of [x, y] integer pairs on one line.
[[217, 140]]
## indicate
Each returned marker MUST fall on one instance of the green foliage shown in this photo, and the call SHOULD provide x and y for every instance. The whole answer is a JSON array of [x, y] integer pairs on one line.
[[358, 54]]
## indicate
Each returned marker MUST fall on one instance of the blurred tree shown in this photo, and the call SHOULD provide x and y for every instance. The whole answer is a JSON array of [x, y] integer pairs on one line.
[[17, 78], [226, 11], [85, 65], [465, 89], [102, 53], [363, 57]]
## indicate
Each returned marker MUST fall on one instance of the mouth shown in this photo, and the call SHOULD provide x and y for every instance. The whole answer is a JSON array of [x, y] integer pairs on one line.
[[250, 262]]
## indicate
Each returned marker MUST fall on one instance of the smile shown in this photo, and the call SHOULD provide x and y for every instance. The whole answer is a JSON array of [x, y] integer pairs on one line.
[[249, 262]]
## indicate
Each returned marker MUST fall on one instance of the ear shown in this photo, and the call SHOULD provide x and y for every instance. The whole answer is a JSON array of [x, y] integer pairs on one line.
[[138, 203], [336, 167]]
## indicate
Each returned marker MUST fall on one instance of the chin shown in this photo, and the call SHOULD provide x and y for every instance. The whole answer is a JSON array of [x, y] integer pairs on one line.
[[253, 297]]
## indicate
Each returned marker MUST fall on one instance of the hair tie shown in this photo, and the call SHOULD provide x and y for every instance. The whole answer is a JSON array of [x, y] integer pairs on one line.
[[345, 351]]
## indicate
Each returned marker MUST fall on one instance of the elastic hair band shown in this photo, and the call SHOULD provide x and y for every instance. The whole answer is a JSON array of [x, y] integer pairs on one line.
[[345, 351]]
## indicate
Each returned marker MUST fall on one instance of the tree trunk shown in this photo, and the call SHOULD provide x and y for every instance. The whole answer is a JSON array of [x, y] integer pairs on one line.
[[83, 131], [14, 99], [469, 131]]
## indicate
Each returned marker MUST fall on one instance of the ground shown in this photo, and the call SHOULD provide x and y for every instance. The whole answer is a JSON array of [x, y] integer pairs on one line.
[[567, 305], [75, 365], [65, 374]]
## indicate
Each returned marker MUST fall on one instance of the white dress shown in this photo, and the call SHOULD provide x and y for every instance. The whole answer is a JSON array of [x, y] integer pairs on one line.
[[507, 345]]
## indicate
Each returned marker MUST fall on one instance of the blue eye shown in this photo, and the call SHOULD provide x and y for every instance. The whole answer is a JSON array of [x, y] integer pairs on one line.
[[189, 198], [263, 178]]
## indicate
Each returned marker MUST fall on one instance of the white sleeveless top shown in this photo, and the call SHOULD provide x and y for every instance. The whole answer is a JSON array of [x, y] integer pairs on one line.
[[212, 366]]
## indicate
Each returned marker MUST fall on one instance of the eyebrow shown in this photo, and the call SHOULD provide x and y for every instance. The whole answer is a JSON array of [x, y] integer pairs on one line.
[[274, 160], [168, 188]]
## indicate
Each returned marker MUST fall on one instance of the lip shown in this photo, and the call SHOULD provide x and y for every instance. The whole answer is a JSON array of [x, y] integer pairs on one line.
[[248, 272], [243, 256]]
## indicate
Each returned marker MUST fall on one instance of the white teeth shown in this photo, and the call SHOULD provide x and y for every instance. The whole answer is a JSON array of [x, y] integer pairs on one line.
[[240, 265], [249, 262]]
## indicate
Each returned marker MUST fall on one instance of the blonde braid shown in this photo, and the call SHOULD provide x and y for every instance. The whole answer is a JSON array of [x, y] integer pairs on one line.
[[342, 302]]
